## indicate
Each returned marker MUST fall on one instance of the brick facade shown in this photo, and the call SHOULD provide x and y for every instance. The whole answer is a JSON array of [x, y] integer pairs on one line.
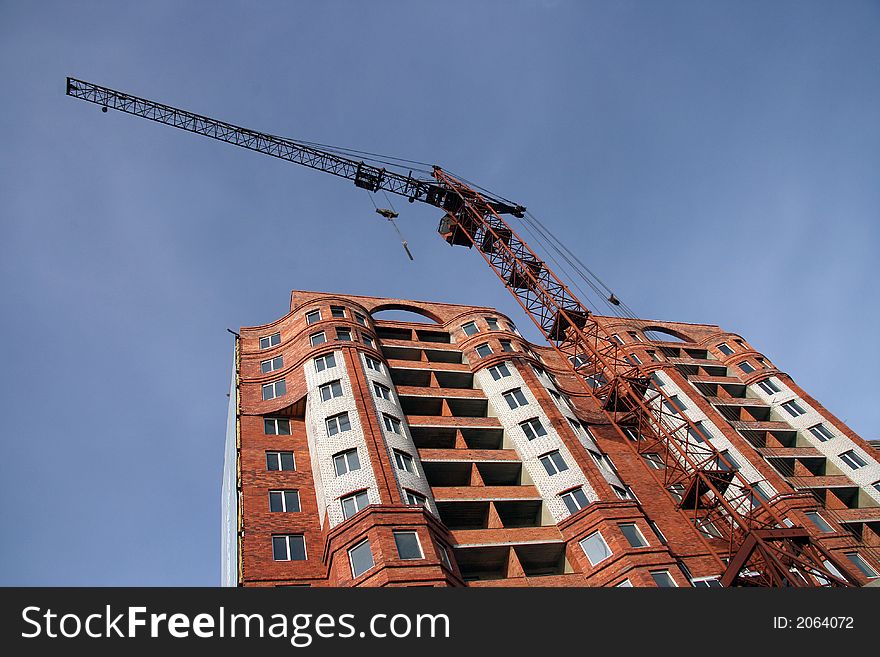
[[472, 477]]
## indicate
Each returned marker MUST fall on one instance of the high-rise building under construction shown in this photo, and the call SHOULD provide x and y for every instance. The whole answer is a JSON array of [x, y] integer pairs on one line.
[[450, 451]]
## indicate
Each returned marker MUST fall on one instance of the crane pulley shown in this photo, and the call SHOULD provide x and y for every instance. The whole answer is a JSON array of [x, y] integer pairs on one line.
[[753, 535]]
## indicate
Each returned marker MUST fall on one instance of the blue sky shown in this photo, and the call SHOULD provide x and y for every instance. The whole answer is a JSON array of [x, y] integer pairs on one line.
[[712, 161]]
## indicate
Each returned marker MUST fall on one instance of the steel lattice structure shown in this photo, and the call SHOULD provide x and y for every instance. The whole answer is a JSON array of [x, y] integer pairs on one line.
[[746, 534]]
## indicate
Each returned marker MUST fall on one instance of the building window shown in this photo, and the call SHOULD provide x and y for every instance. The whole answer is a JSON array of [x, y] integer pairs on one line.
[[622, 493], [595, 547], [553, 463], [617, 339], [746, 367], [338, 423], [353, 503], [313, 316], [330, 390], [276, 426], [725, 349], [499, 371], [674, 405], [368, 340], [345, 462], [557, 397], [653, 356], [317, 338], [853, 460], [506, 345], [276, 461], [634, 336], [657, 531], [373, 364], [727, 462], [392, 424], [861, 564], [793, 408], [769, 387], [360, 319], [272, 364], [579, 360], [634, 360], [576, 426], [404, 461], [470, 329], [706, 582], [876, 486], [533, 428], [444, 555], [408, 546], [325, 362], [575, 499], [343, 334], [413, 498], [654, 460], [819, 521], [492, 323], [483, 350], [513, 327], [677, 491], [657, 379], [663, 579], [383, 392], [634, 535], [699, 432], [270, 341], [274, 389], [515, 398], [286, 501], [625, 584], [361, 558], [821, 432], [337, 311], [289, 547]]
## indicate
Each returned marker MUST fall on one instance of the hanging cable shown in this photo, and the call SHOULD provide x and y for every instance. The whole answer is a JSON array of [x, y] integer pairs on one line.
[[390, 214]]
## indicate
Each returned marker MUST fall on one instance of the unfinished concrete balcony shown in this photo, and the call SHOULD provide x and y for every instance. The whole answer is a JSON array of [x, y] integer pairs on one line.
[[428, 377], [691, 368], [419, 353], [432, 437], [454, 405], [517, 564], [412, 335]]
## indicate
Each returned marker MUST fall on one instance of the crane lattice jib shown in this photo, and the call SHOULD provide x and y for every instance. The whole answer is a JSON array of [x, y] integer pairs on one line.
[[363, 175], [746, 530]]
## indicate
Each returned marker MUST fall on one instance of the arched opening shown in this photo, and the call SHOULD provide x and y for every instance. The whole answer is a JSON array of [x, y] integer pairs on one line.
[[403, 313], [665, 335]]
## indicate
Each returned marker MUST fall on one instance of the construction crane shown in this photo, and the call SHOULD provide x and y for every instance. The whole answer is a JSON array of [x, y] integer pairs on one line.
[[756, 542]]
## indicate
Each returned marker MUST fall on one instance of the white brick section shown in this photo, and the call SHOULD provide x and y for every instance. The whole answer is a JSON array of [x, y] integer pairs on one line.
[[587, 441], [832, 448], [413, 481], [328, 487], [719, 440], [548, 486]]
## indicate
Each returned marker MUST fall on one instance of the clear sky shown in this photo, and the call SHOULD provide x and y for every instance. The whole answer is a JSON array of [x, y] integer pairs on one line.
[[714, 162]]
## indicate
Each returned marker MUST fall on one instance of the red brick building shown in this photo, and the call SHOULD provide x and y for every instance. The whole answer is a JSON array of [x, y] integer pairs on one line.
[[452, 452]]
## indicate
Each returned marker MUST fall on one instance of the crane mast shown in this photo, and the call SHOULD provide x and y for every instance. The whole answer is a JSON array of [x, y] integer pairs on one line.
[[767, 539]]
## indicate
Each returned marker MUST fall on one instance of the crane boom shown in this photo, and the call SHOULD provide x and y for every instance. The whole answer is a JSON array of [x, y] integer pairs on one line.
[[750, 533], [366, 176]]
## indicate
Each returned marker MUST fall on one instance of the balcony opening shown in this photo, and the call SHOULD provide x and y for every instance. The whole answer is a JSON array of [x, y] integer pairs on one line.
[[459, 516], [433, 336], [412, 378], [394, 333]]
